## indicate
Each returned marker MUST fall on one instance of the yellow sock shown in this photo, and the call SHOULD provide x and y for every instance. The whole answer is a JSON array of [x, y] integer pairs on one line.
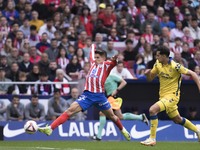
[[189, 125], [154, 125]]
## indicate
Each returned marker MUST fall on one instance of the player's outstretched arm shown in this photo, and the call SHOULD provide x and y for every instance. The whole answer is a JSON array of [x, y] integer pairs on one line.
[[194, 77], [150, 76]]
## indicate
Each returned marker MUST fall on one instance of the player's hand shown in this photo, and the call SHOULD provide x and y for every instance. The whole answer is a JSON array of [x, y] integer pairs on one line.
[[114, 58], [147, 71], [114, 93]]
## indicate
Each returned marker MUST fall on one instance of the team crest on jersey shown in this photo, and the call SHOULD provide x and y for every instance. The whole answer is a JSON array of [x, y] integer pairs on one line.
[[93, 73]]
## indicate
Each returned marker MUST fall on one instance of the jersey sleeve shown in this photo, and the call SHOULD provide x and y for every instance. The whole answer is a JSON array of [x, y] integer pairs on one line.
[[181, 69]]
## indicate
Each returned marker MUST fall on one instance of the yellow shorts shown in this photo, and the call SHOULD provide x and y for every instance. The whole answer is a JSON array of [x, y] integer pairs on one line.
[[115, 103], [169, 104]]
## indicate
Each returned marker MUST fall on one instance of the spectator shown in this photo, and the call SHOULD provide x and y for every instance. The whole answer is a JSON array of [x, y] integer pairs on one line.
[[41, 8], [123, 13], [53, 66], [43, 45], [85, 16], [99, 42], [194, 29], [25, 28], [187, 35], [17, 42], [56, 105], [159, 14], [35, 21], [44, 63], [64, 43], [62, 60], [110, 49], [26, 66], [81, 56], [13, 75], [52, 51], [34, 110], [34, 57], [4, 26], [13, 31], [34, 74], [165, 35], [129, 53], [108, 17], [141, 18], [73, 68], [177, 32], [22, 17], [78, 27], [122, 29], [22, 89], [43, 89], [121, 71], [132, 9], [71, 34], [48, 28], [33, 37], [80, 116], [156, 29], [25, 46], [2, 111], [4, 63], [86, 49], [148, 35], [28, 10], [179, 59], [166, 22], [4, 87], [65, 87], [81, 43], [195, 61], [187, 19], [6, 50], [92, 5], [186, 53], [15, 110], [113, 35], [148, 53], [10, 13]]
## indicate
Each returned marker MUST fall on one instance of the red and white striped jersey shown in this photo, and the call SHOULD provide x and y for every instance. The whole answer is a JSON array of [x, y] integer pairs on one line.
[[97, 74]]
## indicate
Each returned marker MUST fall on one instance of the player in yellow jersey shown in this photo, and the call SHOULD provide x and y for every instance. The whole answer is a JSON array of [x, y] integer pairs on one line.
[[169, 74]]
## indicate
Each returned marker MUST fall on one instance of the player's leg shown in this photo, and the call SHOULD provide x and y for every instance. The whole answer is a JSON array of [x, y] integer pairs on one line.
[[102, 121], [110, 114], [74, 108], [184, 122], [131, 116], [82, 103], [153, 111]]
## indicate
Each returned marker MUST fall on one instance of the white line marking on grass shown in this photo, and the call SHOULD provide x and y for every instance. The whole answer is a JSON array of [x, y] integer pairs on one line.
[[37, 148], [46, 148]]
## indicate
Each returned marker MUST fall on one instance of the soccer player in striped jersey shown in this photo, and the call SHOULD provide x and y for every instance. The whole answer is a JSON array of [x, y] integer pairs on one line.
[[94, 93], [169, 74]]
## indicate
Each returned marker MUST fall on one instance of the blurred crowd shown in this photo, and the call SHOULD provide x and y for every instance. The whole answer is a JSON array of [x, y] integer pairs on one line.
[[49, 40]]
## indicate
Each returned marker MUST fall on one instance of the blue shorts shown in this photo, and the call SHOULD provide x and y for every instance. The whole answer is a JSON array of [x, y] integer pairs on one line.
[[88, 99]]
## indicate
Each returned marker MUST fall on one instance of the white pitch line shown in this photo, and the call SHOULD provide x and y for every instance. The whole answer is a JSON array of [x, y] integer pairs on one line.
[[37, 148]]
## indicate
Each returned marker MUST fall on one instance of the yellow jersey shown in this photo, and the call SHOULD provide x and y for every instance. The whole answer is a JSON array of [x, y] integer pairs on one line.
[[169, 76]]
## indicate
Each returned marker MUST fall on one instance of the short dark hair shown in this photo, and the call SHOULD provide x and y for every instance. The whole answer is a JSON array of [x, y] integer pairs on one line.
[[163, 50], [33, 27], [15, 96], [129, 41], [101, 52], [34, 96]]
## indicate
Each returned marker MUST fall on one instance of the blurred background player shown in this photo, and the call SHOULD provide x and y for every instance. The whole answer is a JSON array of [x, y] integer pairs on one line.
[[169, 74], [113, 85]]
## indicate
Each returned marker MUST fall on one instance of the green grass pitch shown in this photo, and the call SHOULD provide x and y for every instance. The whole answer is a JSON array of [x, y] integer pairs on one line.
[[92, 145]]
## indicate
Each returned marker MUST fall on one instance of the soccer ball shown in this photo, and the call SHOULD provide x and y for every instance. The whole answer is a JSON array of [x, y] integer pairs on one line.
[[30, 127]]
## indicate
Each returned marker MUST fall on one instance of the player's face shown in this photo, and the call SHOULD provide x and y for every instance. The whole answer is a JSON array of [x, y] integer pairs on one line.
[[99, 59], [160, 57]]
